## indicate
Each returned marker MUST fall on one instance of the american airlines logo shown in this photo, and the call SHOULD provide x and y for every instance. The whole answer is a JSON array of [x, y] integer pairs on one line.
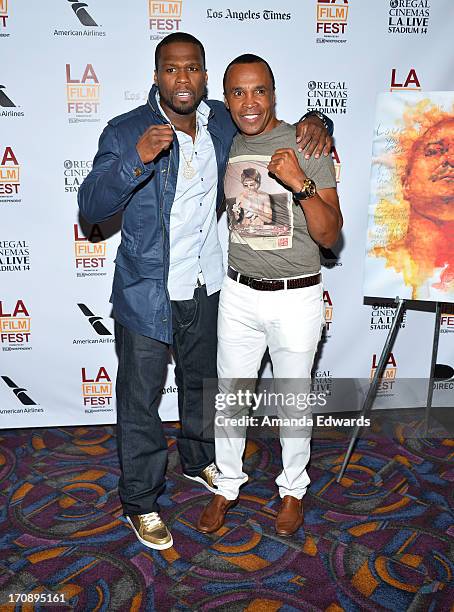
[[19, 392], [82, 14], [94, 321], [4, 99]]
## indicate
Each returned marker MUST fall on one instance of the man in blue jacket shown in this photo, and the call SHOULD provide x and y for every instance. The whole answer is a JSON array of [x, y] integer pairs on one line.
[[163, 165]]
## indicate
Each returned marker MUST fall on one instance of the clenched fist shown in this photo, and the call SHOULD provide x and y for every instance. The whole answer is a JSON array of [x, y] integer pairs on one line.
[[285, 166], [157, 138]]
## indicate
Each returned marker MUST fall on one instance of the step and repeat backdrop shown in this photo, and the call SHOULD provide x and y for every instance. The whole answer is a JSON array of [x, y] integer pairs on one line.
[[68, 67]]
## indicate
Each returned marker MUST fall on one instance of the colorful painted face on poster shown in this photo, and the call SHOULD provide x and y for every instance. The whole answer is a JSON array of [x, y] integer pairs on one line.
[[410, 244]]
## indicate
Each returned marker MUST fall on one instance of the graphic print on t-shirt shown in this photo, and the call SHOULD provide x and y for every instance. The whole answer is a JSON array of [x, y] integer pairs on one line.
[[259, 208]]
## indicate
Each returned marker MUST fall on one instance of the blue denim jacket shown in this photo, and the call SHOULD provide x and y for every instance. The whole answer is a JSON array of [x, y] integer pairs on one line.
[[119, 180]]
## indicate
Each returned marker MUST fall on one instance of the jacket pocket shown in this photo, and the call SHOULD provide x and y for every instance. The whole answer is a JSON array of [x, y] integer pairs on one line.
[[140, 267]]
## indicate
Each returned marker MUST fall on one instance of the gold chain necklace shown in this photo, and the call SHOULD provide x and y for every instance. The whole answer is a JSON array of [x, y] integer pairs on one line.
[[189, 171]]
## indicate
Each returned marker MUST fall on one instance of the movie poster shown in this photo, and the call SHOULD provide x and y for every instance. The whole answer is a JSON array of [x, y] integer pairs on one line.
[[410, 240]]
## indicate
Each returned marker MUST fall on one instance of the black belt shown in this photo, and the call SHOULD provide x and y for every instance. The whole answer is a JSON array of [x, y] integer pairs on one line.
[[273, 285]]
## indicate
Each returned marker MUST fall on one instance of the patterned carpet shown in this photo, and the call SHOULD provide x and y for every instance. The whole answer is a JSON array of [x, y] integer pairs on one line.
[[383, 540]]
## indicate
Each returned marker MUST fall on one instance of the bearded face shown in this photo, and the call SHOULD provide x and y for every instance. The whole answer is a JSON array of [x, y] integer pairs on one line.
[[429, 182]]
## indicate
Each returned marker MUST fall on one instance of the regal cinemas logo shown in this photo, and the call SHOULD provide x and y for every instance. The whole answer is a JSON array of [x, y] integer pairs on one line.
[[9, 177], [332, 19], [389, 374], [82, 95], [89, 251], [96, 390], [14, 256], [408, 16], [322, 382], [74, 173], [447, 319], [328, 302], [382, 317], [164, 17], [15, 326], [329, 97], [410, 82]]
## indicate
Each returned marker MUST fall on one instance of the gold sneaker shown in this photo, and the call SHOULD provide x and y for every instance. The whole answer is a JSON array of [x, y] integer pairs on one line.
[[207, 477], [150, 530]]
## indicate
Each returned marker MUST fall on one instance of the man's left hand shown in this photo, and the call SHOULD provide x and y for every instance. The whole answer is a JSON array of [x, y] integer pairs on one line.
[[285, 166], [312, 137]]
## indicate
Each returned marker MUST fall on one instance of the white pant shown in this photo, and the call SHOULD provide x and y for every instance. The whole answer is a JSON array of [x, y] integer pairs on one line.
[[290, 323]]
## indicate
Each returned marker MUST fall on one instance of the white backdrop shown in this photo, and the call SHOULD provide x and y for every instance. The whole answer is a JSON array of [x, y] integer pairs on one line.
[[67, 67]]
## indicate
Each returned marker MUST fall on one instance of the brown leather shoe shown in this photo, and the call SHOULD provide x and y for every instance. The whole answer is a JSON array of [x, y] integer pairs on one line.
[[213, 515], [290, 516]]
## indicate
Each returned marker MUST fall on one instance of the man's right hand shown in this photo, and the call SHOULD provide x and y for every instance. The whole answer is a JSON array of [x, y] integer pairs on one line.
[[157, 138]]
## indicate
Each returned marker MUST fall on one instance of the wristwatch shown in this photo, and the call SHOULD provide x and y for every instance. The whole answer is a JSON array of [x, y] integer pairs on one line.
[[308, 190]]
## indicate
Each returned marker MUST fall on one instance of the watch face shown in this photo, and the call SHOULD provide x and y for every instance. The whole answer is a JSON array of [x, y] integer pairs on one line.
[[310, 188]]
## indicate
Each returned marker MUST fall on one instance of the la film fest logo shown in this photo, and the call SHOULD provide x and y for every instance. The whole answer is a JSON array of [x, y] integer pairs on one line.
[[328, 302], [9, 176], [329, 97], [164, 17], [100, 333], [83, 95], [332, 19], [96, 390], [389, 374], [15, 326], [402, 82], [6, 102], [14, 256], [82, 17], [447, 319], [382, 316], [408, 16], [3, 17], [90, 251]]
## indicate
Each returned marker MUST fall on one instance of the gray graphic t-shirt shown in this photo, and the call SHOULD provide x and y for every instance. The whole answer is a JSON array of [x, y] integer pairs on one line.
[[268, 233]]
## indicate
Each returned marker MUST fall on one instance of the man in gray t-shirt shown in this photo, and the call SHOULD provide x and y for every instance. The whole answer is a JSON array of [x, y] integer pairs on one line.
[[280, 206]]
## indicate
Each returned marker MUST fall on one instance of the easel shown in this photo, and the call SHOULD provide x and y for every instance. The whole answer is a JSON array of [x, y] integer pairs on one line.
[[372, 391]]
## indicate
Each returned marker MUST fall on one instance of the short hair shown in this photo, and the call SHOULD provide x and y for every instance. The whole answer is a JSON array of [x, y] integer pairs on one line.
[[178, 37], [251, 173], [249, 58]]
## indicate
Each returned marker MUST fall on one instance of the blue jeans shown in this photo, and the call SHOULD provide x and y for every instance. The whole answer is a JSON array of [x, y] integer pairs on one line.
[[142, 367]]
